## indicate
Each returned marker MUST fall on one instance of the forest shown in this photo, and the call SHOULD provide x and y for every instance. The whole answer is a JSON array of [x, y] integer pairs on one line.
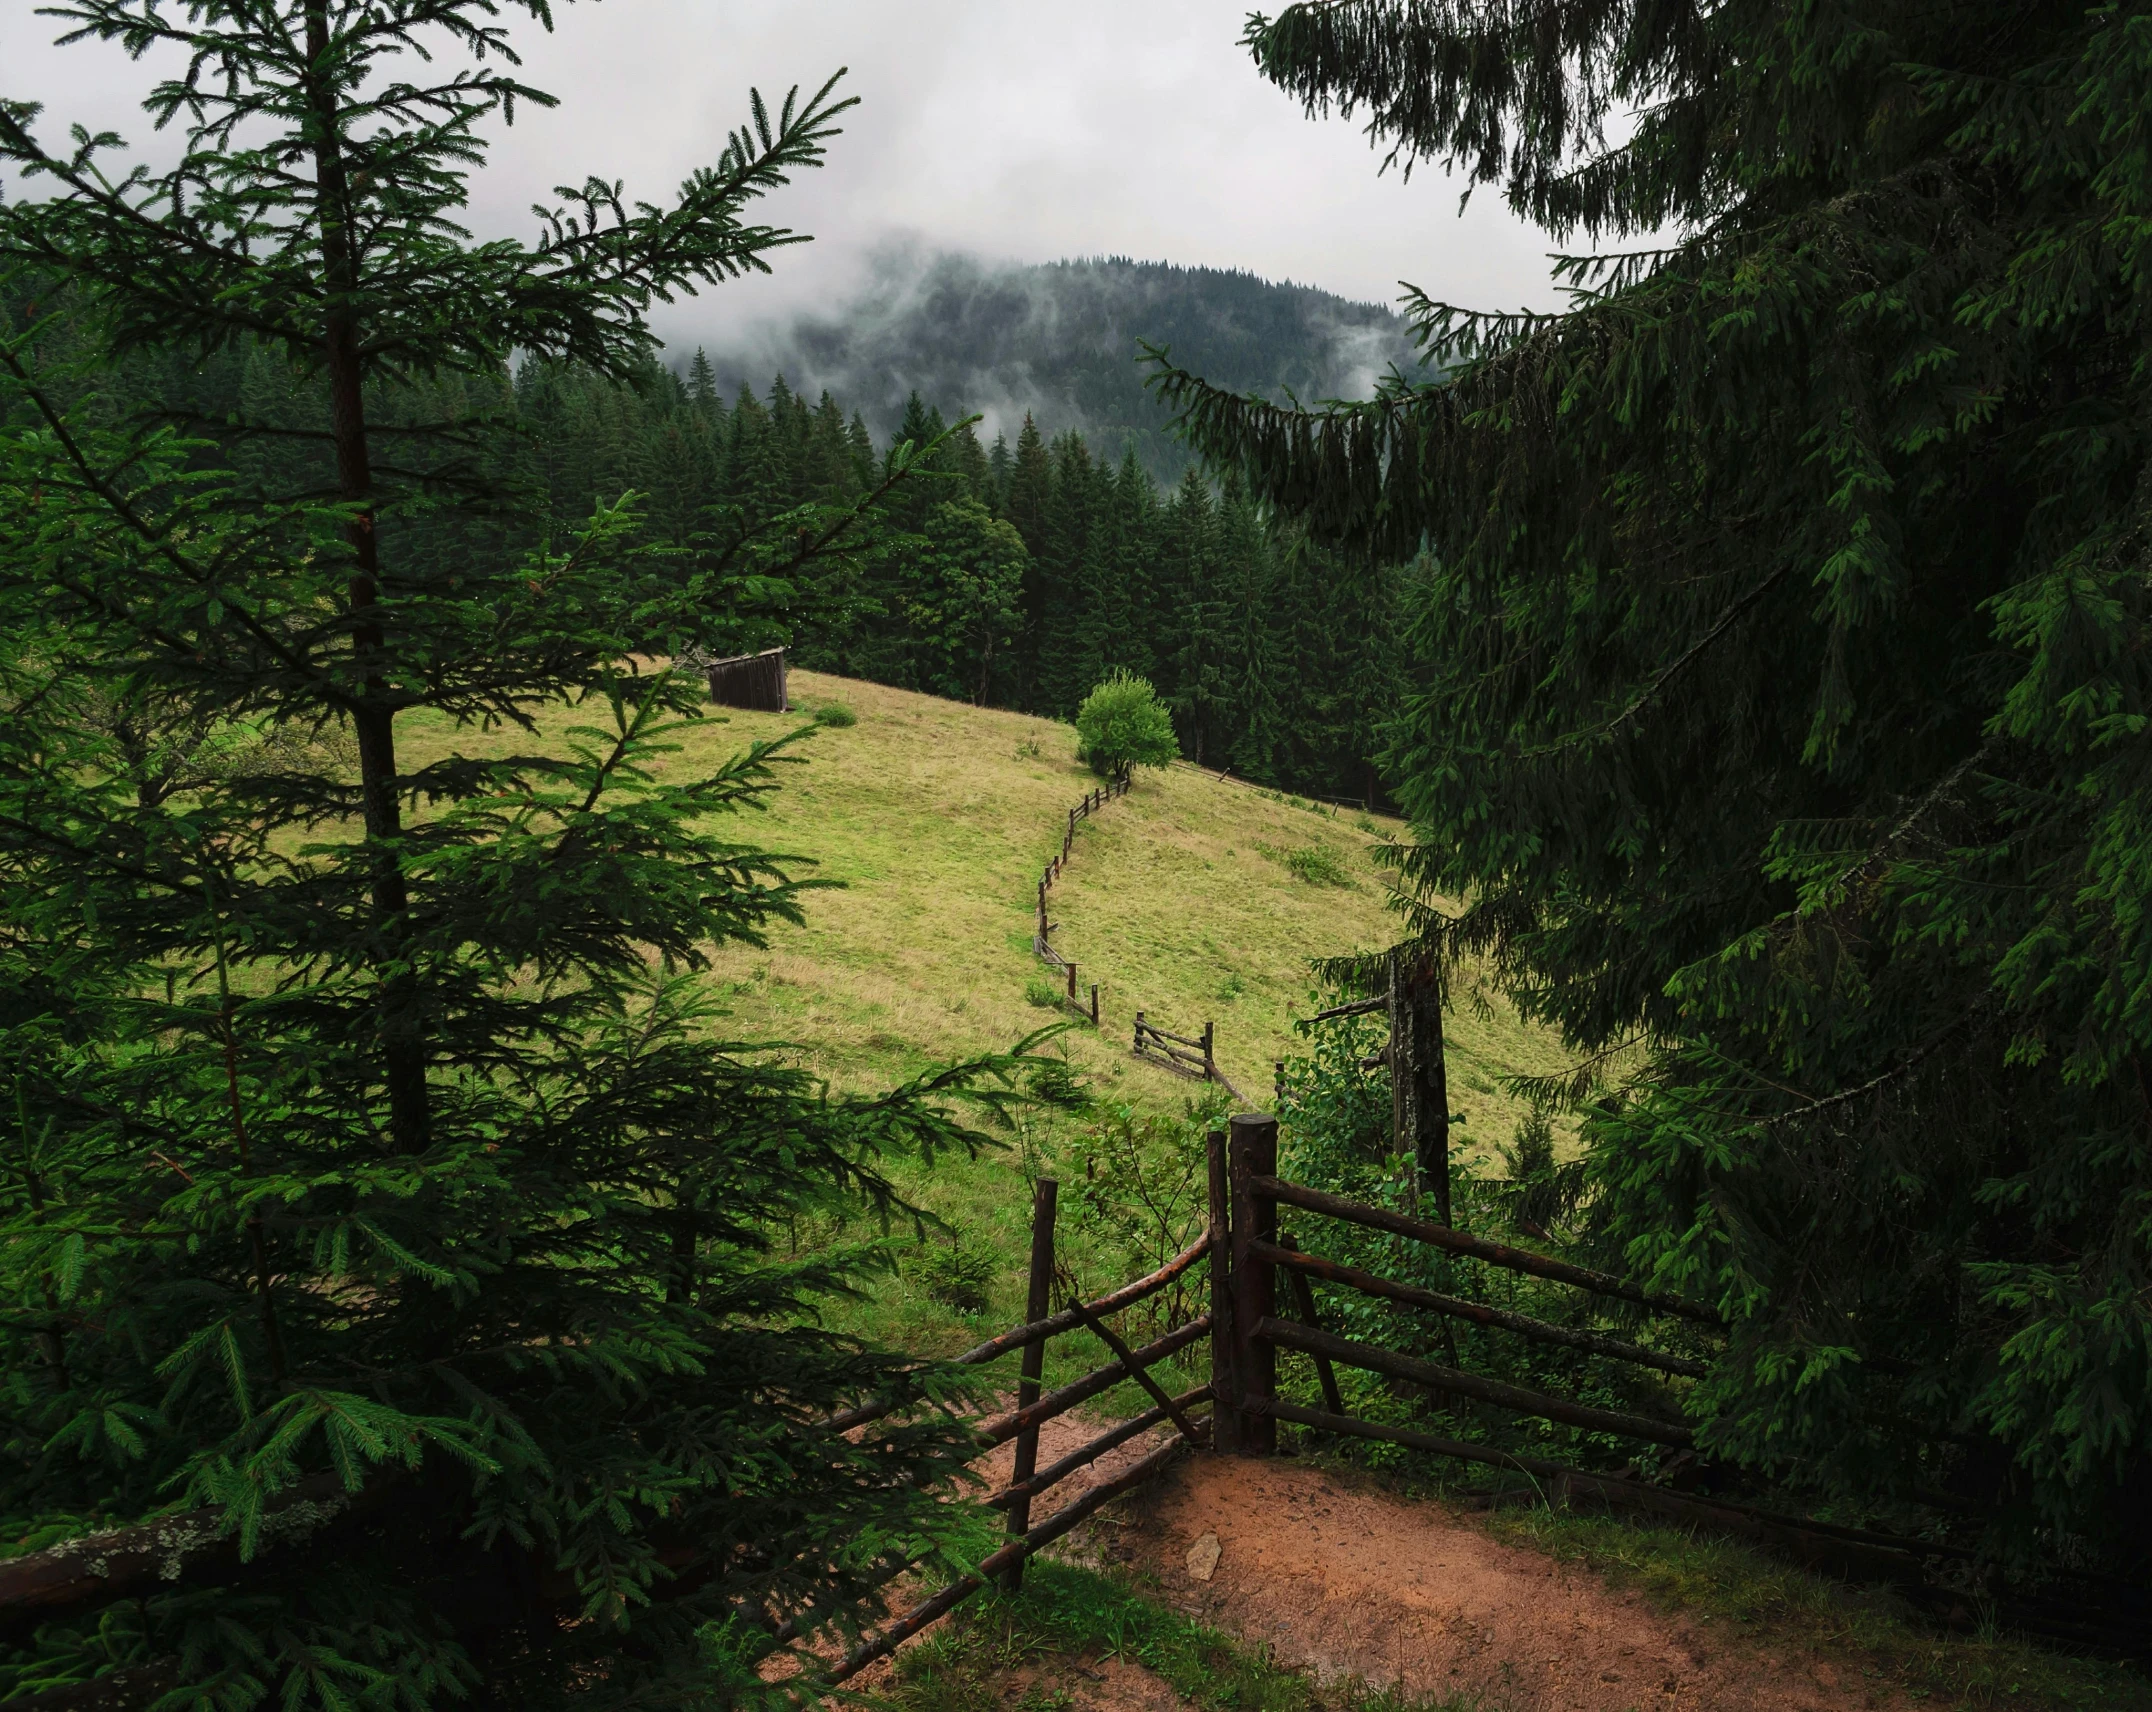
[[1013, 576], [1060, 341]]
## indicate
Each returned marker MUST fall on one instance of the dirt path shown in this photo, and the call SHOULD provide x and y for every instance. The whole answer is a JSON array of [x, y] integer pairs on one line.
[[1342, 1579]]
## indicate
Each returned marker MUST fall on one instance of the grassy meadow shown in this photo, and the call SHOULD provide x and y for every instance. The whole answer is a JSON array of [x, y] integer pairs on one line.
[[1193, 899]]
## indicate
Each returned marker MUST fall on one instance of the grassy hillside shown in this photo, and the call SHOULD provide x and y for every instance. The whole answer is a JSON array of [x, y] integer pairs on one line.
[[934, 818]]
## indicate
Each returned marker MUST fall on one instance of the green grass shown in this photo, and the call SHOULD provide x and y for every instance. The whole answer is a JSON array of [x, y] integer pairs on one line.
[[1751, 1595], [1196, 900], [1066, 1613]]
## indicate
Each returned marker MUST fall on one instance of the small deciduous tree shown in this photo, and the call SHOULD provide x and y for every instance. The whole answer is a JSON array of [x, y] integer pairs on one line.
[[1123, 725]]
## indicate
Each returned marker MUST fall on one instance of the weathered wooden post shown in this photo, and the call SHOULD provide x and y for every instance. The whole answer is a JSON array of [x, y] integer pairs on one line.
[[1252, 1152], [1042, 909], [1277, 1082], [1137, 1045], [1072, 983], [1094, 1004], [1419, 1081], [1037, 1302], [1225, 1413], [1210, 1064]]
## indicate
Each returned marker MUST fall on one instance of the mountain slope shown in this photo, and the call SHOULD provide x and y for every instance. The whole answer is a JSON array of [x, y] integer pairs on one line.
[[1061, 341], [934, 818]]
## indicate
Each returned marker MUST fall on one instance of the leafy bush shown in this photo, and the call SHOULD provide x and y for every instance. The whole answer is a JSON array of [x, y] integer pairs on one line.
[[1316, 866], [835, 713], [1122, 724], [1135, 1186], [1313, 864], [1042, 993]]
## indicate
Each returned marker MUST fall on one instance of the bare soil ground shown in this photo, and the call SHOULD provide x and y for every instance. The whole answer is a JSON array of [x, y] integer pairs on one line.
[[1345, 1580], [1349, 1581]]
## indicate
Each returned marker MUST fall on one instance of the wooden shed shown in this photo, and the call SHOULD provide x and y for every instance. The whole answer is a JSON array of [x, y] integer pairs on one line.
[[751, 680]]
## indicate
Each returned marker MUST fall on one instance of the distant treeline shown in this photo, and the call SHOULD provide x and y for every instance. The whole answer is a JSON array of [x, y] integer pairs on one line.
[[1022, 574]]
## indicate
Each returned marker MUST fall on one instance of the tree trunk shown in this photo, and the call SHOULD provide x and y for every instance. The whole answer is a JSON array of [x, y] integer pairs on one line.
[[403, 1047], [1419, 1080]]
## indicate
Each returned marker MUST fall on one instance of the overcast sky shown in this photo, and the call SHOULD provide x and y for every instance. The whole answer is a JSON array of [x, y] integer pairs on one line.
[[1018, 131]]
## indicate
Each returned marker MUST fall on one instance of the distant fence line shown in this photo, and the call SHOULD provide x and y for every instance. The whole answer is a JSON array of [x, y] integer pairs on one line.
[[1153, 1044]]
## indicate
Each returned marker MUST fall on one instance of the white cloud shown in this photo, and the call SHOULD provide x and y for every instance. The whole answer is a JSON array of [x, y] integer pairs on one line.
[[1020, 132]]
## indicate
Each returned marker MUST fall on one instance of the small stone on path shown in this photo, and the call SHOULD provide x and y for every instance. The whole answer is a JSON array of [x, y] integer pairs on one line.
[[1203, 1557]]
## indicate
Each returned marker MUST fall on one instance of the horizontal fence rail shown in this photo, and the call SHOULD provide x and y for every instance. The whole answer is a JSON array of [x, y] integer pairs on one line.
[[1478, 1313], [1271, 1188], [1112, 1439], [1003, 1427], [1009, 1557], [1289, 1334], [1021, 1423], [1127, 1296]]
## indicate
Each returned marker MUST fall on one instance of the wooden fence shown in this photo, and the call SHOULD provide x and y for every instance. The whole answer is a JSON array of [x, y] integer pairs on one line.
[[1196, 1057], [1250, 1326], [1192, 1057], [1042, 940], [1028, 1481]]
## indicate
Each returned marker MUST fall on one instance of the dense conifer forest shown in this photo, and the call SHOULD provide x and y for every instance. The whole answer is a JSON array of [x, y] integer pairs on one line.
[[1016, 575]]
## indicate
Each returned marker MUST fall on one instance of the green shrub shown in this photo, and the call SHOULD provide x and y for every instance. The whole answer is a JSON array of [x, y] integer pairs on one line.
[[1316, 866], [1044, 994], [1122, 724], [955, 1275], [1313, 864], [835, 713], [1134, 1188]]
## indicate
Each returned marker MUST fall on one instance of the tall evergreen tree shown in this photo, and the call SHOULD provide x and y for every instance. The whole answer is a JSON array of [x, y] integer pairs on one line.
[[378, 1176], [1780, 674]]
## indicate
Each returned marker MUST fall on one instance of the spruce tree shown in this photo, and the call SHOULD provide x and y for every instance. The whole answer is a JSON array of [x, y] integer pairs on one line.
[[382, 1191], [1779, 689], [1192, 596]]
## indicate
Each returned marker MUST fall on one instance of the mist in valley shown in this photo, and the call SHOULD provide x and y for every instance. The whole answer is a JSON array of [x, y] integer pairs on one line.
[[1061, 341]]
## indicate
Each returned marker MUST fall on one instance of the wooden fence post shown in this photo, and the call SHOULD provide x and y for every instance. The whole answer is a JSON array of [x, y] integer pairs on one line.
[[1210, 1064], [1072, 983], [1225, 1414], [1094, 1004], [1251, 1152], [1138, 1044], [1042, 909], [1037, 1304]]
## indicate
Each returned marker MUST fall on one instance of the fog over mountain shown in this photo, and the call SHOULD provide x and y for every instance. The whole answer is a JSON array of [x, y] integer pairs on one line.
[[1062, 342]]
